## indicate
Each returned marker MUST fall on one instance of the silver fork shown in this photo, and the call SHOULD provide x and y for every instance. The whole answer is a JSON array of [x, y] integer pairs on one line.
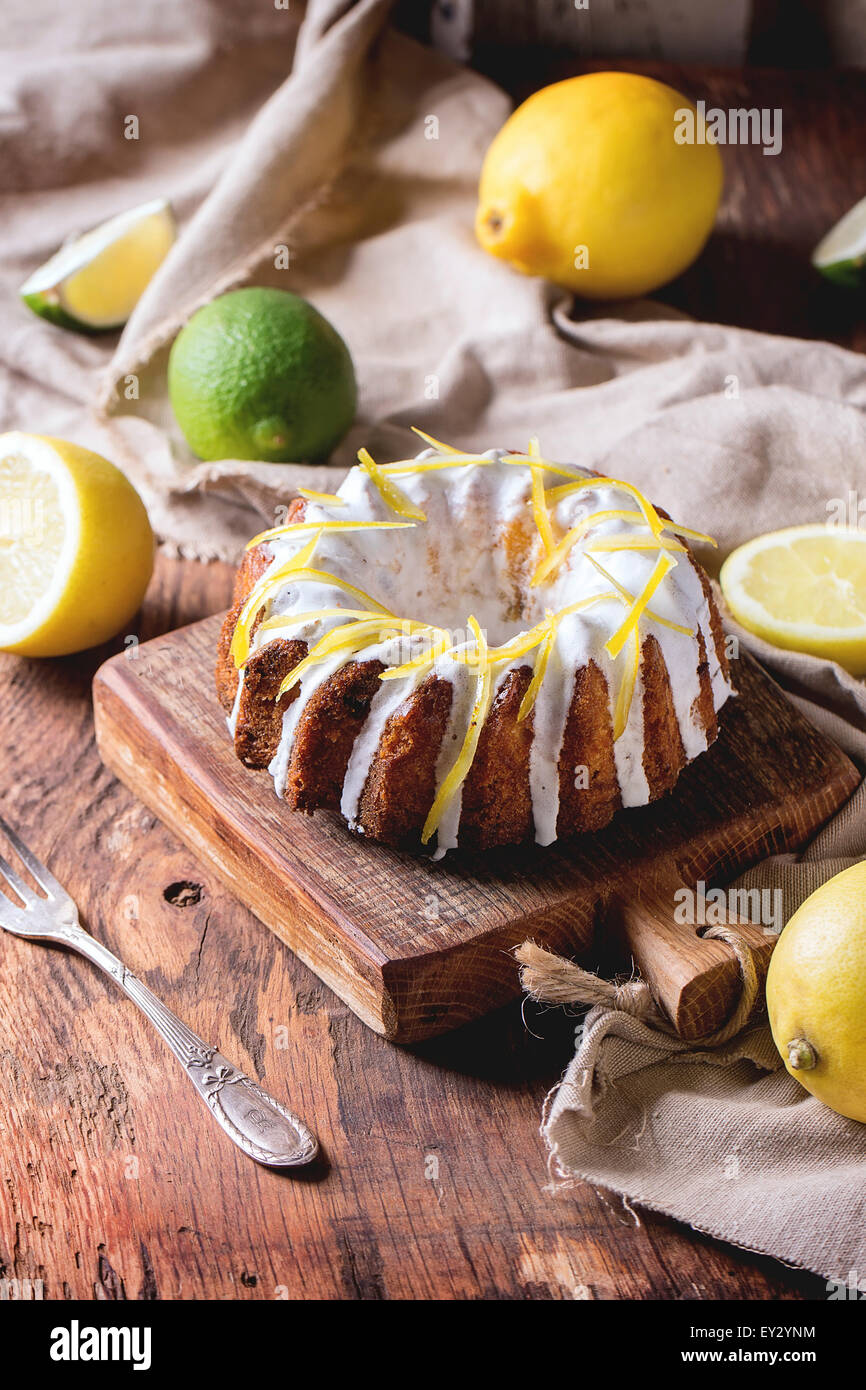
[[258, 1124]]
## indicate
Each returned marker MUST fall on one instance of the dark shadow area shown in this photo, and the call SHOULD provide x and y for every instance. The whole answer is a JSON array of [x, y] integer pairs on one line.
[[519, 1043], [767, 285]]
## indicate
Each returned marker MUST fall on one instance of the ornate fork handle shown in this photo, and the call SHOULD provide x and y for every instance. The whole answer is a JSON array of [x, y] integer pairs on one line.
[[258, 1124]]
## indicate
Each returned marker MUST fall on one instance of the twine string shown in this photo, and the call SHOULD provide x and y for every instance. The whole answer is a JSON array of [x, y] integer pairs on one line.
[[552, 979]]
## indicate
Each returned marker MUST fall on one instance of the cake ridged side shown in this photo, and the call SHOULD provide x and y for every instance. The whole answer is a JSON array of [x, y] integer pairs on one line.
[[497, 802], [325, 735], [663, 756], [588, 787], [401, 783]]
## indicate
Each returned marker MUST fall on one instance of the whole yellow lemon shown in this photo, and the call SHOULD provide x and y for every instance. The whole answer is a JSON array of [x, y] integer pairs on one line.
[[593, 183], [816, 993]]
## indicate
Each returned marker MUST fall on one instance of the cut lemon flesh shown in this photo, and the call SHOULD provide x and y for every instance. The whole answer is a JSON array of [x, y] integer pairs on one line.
[[32, 535], [94, 283], [76, 547], [841, 254], [803, 589]]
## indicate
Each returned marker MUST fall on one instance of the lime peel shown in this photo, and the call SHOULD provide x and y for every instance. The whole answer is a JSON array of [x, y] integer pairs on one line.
[[841, 255], [259, 373]]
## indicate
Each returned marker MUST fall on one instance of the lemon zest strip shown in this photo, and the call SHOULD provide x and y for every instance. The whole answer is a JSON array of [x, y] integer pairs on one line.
[[322, 577], [351, 638], [314, 615], [519, 646], [465, 758], [270, 582], [663, 565], [259, 595], [326, 499], [633, 543], [538, 671], [525, 642], [559, 552], [479, 656], [552, 624], [434, 443], [299, 527], [432, 465], [391, 494], [626, 690], [556, 494], [439, 648], [651, 516], [689, 533], [623, 593], [534, 461], [539, 508]]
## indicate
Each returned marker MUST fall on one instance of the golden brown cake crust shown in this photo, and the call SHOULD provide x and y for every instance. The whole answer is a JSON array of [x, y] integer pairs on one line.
[[588, 787], [497, 805], [326, 732], [260, 713], [252, 566], [663, 754], [401, 784]]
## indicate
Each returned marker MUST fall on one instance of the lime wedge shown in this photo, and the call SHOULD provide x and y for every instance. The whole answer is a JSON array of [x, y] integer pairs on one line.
[[93, 283], [841, 254]]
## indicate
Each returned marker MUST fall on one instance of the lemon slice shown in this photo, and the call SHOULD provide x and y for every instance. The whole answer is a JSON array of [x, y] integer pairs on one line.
[[93, 283], [76, 548], [803, 589], [841, 254]]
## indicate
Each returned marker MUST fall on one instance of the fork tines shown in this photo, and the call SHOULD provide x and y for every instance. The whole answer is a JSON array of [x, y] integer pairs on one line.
[[46, 881]]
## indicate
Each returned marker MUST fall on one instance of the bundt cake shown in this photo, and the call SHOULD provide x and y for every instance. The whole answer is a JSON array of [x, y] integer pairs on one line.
[[472, 649]]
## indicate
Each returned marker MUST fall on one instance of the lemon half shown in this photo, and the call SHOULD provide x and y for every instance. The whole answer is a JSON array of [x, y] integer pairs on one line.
[[76, 547], [803, 589]]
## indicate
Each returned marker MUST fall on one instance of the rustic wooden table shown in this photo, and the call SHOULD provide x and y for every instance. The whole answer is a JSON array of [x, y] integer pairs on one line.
[[433, 1181]]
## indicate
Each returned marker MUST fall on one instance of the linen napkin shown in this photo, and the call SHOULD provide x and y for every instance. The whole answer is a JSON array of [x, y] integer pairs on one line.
[[723, 1138]]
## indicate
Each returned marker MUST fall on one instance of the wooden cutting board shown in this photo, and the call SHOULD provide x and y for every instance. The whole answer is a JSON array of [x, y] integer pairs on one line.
[[416, 947]]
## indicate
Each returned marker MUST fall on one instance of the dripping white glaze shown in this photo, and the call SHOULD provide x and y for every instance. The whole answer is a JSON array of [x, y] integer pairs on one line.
[[455, 564], [232, 719], [387, 700]]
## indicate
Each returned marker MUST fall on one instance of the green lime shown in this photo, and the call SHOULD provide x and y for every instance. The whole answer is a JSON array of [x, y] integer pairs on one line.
[[260, 374], [841, 254]]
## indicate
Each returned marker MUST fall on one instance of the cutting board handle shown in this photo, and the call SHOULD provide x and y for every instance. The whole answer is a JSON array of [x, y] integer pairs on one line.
[[696, 979]]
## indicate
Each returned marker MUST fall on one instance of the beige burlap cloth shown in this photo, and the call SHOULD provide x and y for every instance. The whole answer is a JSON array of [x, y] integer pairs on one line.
[[331, 137]]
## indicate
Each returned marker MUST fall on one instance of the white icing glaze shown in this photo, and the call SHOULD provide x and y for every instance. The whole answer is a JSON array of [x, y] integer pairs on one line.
[[456, 563], [550, 714], [232, 719]]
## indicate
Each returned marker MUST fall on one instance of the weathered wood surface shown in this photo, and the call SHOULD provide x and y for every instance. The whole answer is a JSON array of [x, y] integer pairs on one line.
[[416, 947], [116, 1185]]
